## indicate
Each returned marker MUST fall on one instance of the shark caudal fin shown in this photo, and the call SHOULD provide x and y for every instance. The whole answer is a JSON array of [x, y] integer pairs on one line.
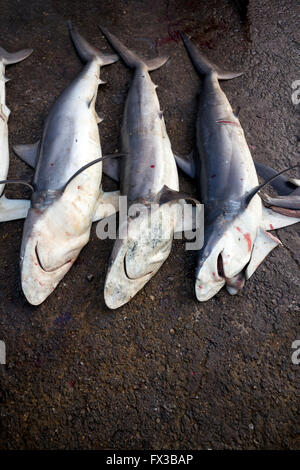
[[264, 243], [13, 57], [129, 57], [87, 52], [202, 64]]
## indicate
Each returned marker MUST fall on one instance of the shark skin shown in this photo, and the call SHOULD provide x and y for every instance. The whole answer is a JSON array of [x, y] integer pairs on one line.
[[236, 238]]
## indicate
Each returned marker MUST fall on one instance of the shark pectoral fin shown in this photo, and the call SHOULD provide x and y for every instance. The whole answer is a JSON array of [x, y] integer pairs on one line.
[[272, 220], [263, 245], [186, 163], [28, 153], [167, 195], [290, 202], [111, 168], [12, 209], [107, 204], [14, 57]]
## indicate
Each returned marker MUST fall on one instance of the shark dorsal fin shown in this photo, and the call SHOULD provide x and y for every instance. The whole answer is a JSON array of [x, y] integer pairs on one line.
[[28, 153], [264, 243]]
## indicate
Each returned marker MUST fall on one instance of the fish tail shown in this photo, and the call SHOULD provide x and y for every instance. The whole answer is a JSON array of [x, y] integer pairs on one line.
[[202, 64], [87, 52], [13, 57], [129, 57]]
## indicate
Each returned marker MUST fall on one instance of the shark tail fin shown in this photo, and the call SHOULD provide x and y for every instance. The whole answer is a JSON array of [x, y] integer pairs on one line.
[[14, 57], [87, 52], [202, 64], [129, 57], [264, 243]]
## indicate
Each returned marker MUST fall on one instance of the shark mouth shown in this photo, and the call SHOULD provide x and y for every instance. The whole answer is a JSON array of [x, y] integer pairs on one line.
[[233, 284], [38, 283], [49, 270], [130, 277], [120, 286]]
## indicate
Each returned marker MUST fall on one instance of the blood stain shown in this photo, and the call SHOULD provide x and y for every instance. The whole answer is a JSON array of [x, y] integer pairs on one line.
[[248, 239]]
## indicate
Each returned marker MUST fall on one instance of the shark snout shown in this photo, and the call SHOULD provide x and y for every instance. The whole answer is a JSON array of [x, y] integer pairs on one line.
[[129, 270], [136, 259], [209, 277], [46, 256], [224, 265], [37, 283], [145, 258], [53, 254]]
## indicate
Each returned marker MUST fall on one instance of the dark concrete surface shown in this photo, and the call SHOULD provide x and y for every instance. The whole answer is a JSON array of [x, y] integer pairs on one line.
[[164, 371]]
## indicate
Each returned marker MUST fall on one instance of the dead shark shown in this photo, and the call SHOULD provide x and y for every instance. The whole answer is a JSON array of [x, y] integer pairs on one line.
[[60, 217], [236, 238], [10, 209], [147, 175]]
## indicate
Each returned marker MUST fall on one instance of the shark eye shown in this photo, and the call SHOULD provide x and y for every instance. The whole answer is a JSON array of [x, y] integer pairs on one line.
[[220, 266]]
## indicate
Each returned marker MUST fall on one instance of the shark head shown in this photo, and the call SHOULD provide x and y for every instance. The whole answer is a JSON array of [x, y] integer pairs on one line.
[[138, 255], [227, 252], [52, 239]]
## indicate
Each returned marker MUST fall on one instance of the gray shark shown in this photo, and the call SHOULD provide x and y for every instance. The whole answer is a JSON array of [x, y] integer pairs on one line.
[[236, 238], [59, 221]]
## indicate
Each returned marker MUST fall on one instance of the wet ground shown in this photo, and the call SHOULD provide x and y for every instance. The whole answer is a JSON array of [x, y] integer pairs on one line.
[[164, 371]]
